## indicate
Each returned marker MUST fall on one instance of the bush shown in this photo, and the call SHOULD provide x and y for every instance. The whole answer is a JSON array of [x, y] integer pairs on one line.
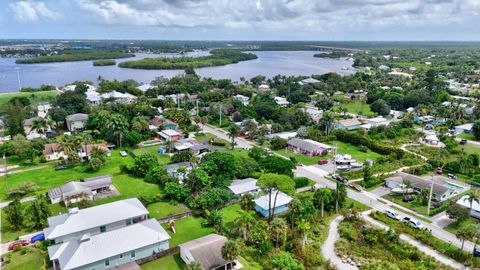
[[132, 138], [24, 250], [363, 148], [182, 156], [17, 248], [22, 189], [212, 198], [301, 182], [359, 139], [217, 142], [143, 164], [147, 200], [278, 143]]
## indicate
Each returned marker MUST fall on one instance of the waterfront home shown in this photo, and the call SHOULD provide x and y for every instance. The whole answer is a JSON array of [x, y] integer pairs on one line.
[[308, 81], [241, 187], [94, 220], [111, 249], [117, 97], [144, 87], [474, 208], [464, 129], [93, 98], [263, 88], [170, 135], [262, 206], [72, 87], [86, 190], [76, 122], [348, 124], [443, 188], [206, 251], [307, 147]]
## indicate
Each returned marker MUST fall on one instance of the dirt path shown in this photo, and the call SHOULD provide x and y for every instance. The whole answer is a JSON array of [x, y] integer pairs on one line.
[[328, 247]]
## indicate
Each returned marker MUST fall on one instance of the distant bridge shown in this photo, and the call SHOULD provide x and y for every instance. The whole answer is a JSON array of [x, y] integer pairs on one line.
[[323, 48]]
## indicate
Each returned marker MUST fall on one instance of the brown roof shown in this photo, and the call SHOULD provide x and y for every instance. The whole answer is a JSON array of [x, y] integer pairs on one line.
[[50, 148], [207, 250]]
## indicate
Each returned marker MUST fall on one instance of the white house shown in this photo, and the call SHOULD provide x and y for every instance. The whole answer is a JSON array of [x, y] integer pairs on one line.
[[122, 98], [464, 129], [110, 249], [308, 81], [286, 135], [170, 135], [76, 121], [263, 87], [42, 110], [474, 210], [432, 139], [244, 186], [242, 98], [144, 87], [281, 101], [93, 98], [86, 190]]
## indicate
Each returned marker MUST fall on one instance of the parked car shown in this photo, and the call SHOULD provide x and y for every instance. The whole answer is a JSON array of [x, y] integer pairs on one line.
[[463, 141], [18, 243], [416, 224], [322, 162], [392, 214], [408, 198], [452, 176], [38, 237], [406, 219]]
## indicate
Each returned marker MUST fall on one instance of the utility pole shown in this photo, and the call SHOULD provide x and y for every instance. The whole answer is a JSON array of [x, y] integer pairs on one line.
[[430, 197], [6, 173], [220, 115], [178, 101], [197, 105]]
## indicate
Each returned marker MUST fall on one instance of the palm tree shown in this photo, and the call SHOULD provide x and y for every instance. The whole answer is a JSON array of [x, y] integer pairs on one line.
[[322, 196], [294, 207], [69, 145], [192, 266], [327, 123], [304, 226], [169, 146], [116, 125], [471, 198], [278, 230], [465, 233], [230, 252], [245, 220], [406, 186], [85, 138], [40, 125], [139, 124], [233, 132]]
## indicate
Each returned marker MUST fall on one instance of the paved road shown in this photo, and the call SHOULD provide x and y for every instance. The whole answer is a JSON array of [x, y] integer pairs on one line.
[[328, 247], [24, 170], [477, 144], [371, 200], [425, 249], [27, 199], [241, 142]]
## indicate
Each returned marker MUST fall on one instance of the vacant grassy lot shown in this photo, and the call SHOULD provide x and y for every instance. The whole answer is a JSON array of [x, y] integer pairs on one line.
[[356, 107], [354, 151], [187, 229], [35, 98]]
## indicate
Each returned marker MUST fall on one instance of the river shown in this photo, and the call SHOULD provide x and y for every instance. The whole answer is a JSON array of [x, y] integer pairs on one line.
[[268, 63]]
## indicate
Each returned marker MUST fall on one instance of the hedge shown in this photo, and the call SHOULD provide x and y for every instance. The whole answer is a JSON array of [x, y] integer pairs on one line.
[[360, 140]]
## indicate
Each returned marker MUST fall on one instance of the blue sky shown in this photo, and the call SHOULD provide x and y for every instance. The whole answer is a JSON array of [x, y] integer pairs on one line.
[[241, 19]]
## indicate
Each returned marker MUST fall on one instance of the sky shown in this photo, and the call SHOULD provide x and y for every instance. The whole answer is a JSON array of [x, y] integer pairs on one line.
[[356, 20]]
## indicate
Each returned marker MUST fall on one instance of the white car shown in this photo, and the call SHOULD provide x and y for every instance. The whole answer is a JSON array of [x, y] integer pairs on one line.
[[392, 214], [416, 224]]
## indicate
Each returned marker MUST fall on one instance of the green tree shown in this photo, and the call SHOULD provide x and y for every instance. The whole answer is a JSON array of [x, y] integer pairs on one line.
[[14, 214], [274, 184], [472, 197], [381, 107], [456, 212], [246, 202], [304, 226], [284, 261], [69, 145], [220, 166], [116, 125], [466, 233], [233, 132], [278, 231], [476, 129], [98, 158], [197, 180], [230, 252], [340, 195], [40, 125], [38, 212], [15, 113], [244, 221], [21, 145], [193, 266], [274, 164], [321, 197], [143, 164], [277, 143], [139, 124]]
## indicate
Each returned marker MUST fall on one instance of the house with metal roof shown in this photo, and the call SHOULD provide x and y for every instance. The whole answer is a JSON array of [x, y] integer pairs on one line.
[[207, 251], [241, 187], [262, 206], [87, 189], [443, 189], [94, 220], [474, 207], [170, 135], [112, 248], [76, 122], [348, 124], [117, 97], [307, 147]]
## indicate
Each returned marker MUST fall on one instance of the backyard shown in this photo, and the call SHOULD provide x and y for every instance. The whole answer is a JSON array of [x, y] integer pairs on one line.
[[187, 229], [356, 107], [32, 260]]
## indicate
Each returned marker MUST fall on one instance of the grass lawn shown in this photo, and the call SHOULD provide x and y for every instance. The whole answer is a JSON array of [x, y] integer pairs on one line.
[[187, 229], [230, 213], [47, 178], [455, 226], [304, 159], [32, 260], [356, 107], [171, 262], [35, 98], [162, 159], [354, 151], [466, 136], [164, 209]]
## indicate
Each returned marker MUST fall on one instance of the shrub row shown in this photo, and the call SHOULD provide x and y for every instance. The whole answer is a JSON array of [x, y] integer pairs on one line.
[[359, 140]]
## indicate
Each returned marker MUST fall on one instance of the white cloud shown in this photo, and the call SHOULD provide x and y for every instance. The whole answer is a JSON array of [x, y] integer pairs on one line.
[[31, 11]]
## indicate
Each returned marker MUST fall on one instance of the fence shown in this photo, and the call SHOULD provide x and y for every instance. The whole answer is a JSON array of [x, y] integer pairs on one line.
[[158, 255]]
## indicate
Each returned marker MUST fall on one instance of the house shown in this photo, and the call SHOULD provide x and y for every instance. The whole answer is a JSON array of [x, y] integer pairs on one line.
[[51, 151], [172, 169], [410, 110], [442, 188], [348, 124], [431, 139], [144, 87], [42, 110], [384, 67], [377, 121], [76, 122], [117, 97], [72, 87], [464, 129], [28, 124], [241, 187], [286, 135], [263, 88], [315, 114], [262, 205], [281, 101], [307, 147], [475, 207], [160, 121], [93, 98], [94, 220], [242, 98], [309, 81], [170, 135], [396, 114], [87, 189], [191, 144], [110, 249], [206, 251]]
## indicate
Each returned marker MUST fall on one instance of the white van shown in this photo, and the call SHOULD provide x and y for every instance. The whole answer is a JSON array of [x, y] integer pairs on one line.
[[392, 213]]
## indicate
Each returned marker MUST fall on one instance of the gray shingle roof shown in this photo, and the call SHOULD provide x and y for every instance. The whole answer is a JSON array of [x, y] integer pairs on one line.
[[86, 187], [304, 145], [77, 117], [418, 182], [207, 250]]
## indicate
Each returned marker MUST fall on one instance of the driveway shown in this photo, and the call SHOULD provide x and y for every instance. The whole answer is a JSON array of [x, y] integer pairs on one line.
[[381, 191]]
